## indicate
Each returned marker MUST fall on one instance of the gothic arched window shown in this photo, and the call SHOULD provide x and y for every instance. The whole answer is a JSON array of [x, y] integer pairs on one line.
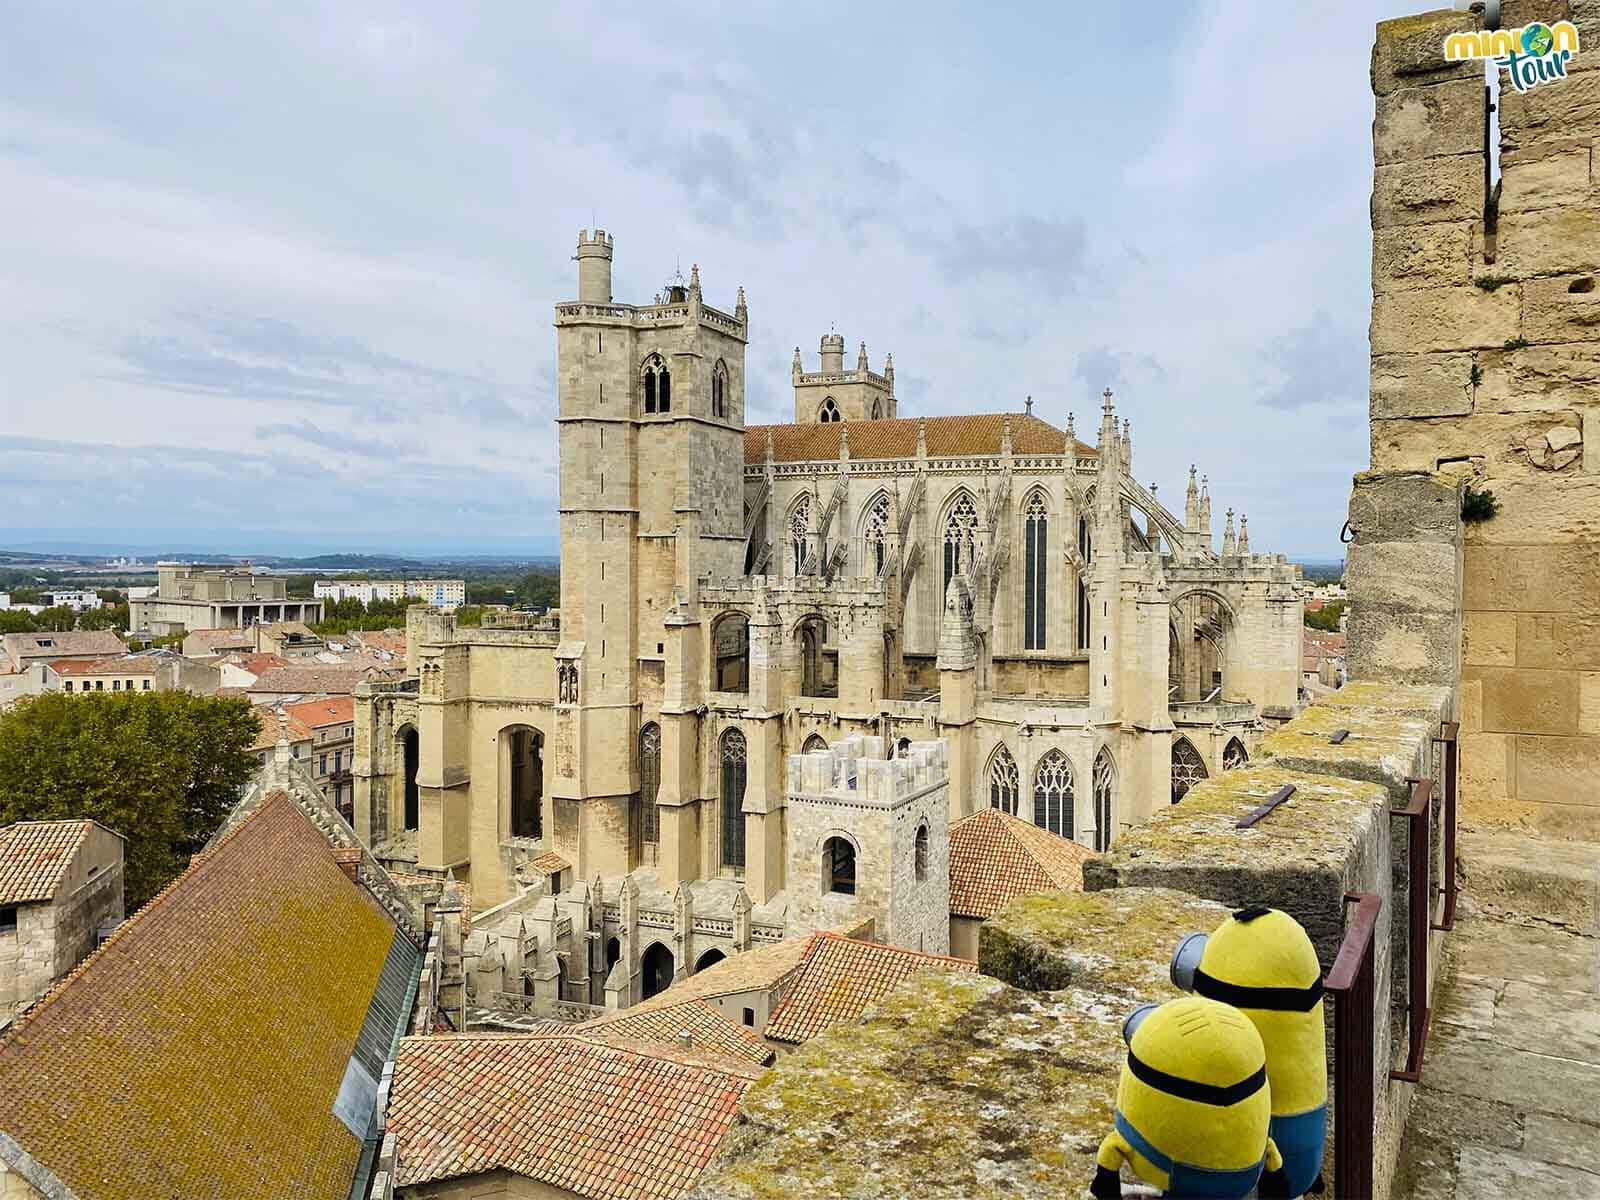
[[657, 385], [829, 411], [1234, 755], [799, 519], [719, 389], [1188, 768], [875, 533], [877, 410], [1105, 794], [1036, 572], [649, 782], [733, 775], [839, 863], [1052, 794], [920, 861], [960, 538], [813, 744], [1003, 782], [1085, 552]]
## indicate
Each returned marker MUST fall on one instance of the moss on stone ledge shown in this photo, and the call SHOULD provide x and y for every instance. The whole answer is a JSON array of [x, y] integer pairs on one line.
[[1383, 746], [954, 1086], [1118, 941]]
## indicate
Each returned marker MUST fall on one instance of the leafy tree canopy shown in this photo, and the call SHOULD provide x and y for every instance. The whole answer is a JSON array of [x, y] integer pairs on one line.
[[1327, 617], [161, 768]]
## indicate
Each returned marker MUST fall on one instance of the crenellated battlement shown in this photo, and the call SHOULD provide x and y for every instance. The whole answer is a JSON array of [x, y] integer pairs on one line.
[[854, 771]]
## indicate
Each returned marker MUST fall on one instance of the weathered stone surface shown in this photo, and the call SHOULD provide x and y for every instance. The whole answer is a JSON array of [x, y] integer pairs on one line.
[[1565, 110], [1382, 747], [1589, 702], [1440, 189], [1489, 1174], [1415, 703], [1551, 241], [1591, 441], [1489, 639], [1405, 506], [1422, 385], [1409, 51], [1403, 647], [1558, 1140], [1119, 942], [1560, 642], [1508, 444], [1561, 770], [1424, 122], [1552, 311], [1520, 700], [1539, 378], [1520, 578], [954, 1086], [1544, 176], [1405, 576], [1495, 951], [1413, 256], [1432, 319], [1537, 880], [1541, 508], [1544, 1021]]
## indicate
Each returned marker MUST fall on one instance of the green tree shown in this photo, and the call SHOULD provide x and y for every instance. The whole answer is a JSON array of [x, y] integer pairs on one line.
[[161, 768], [58, 619], [114, 617], [15, 620], [1327, 617]]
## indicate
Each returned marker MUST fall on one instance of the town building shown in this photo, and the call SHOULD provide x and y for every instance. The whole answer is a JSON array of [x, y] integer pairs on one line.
[[966, 611], [77, 601], [159, 670], [217, 596], [60, 893], [200, 643], [300, 680], [331, 725], [995, 858], [446, 594], [23, 650]]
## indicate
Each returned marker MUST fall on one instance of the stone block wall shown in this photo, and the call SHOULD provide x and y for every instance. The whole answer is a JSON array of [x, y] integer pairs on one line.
[[1486, 364]]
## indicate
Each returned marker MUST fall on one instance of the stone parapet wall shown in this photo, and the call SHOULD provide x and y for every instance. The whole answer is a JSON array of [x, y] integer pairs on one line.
[[1003, 1084]]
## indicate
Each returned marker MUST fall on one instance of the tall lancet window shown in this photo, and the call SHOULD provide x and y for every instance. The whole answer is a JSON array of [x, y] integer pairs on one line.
[[1085, 553], [1052, 794], [1036, 573], [799, 518], [733, 777], [960, 538], [657, 385], [875, 533]]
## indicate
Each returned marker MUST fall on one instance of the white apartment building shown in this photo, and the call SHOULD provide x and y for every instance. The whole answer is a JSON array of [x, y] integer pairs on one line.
[[447, 594]]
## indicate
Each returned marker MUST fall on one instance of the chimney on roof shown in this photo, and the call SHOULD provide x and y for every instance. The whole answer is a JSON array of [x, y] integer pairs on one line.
[[349, 860], [685, 1038]]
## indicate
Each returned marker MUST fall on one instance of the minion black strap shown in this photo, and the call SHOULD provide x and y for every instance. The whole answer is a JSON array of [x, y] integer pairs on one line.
[[1273, 999], [1188, 1089]]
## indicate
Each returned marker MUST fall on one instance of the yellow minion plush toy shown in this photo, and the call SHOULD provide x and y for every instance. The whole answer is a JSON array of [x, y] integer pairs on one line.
[[1192, 1106], [1261, 962]]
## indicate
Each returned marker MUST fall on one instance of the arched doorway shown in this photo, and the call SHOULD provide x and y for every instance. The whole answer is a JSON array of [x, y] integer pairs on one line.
[[1188, 768], [522, 775], [709, 958], [409, 752], [657, 968]]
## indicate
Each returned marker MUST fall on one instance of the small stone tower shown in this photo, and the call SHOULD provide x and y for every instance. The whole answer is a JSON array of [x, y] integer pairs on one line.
[[835, 394], [870, 837]]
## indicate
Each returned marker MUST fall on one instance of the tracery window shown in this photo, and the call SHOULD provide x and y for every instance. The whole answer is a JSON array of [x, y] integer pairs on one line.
[[719, 389], [1085, 553], [649, 782], [1052, 794], [813, 744], [657, 385], [829, 411], [734, 760], [1003, 782], [1036, 573], [1188, 768], [960, 538], [799, 519], [1105, 790], [875, 534], [1234, 755]]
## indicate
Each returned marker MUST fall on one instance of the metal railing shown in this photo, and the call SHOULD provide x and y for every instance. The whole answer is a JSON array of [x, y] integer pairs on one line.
[[1419, 818], [1449, 740], [1352, 984]]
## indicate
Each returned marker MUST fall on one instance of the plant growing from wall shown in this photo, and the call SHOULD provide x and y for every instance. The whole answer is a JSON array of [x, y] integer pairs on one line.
[[1478, 505], [1517, 343]]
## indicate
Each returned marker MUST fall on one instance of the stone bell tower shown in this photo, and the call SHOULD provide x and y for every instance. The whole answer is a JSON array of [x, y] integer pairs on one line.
[[837, 394], [651, 419]]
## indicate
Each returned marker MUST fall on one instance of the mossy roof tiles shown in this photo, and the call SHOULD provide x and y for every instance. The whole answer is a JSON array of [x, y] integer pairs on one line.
[[708, 1027], [946, 437], [199, 1051], [996, 857], [34, 855]]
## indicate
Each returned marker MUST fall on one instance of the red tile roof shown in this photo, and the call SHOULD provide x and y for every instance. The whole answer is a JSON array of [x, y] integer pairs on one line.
[[995, 857], [200, 1050], [946, 437], [270, 728], [34, 855], [840, 978], [601, 1120], [393, 641], [319, 680], [708, 1027], [762, 968], [314, 714], [548, 863]]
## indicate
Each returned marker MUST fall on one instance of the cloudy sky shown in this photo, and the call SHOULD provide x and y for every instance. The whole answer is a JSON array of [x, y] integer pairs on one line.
[[280, 277]]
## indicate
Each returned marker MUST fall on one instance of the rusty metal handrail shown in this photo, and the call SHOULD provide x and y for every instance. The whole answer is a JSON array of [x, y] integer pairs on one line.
[[1352, 983], [1449, 738], [1419, 816]]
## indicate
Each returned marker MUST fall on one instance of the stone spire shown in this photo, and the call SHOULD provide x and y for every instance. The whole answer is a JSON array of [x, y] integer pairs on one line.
[[888, 371], [694, 279], [1027, 407], [958, 643], [844, 446], [922, 437], [1205, 508], [1191, 504], [1072, 434], [739, 309], [1127, 445], [769, 454], [1244, 535], [1005, 433], [1229, 542], [797, 368], [861, 359]]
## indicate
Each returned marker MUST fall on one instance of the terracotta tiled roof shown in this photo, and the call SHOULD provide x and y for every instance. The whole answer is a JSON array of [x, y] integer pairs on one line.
[[547, 864], [267, 738], [34, 855], [257, 664], [597, 1119], [947, 437], [761, 968], [200, 1050], [995, 857], [73, 666], [327, 681], [840, 978], [314, 714], [116, 665], [221, 637], [391, 640], [708, 1027]]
